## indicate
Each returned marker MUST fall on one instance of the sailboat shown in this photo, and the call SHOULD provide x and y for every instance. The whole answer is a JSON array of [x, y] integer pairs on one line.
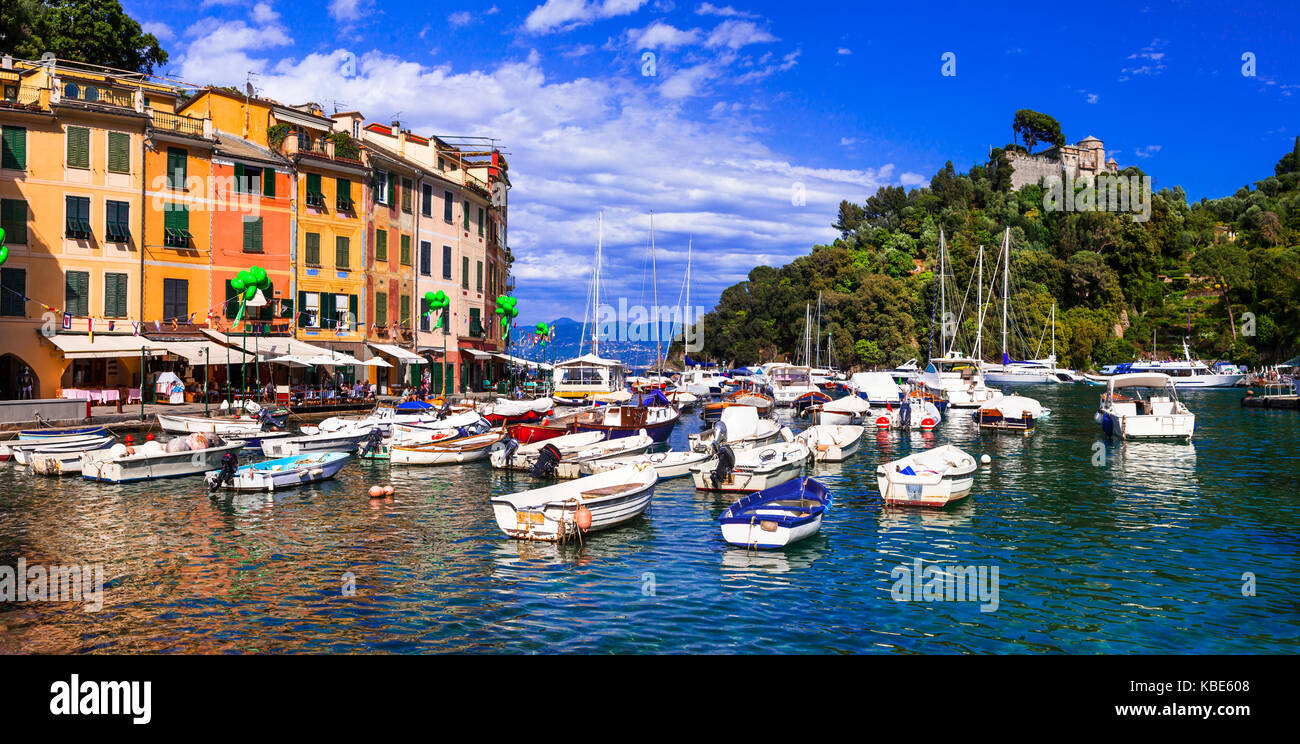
[[579, 379], [954, 377]]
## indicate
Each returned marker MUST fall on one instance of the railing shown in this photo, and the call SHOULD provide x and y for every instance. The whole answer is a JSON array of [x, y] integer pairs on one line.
[[323, 147], [25, 96], [98, 94], [178, 123]]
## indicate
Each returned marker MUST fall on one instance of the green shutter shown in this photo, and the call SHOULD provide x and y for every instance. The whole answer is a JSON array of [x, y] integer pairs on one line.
[[392, 189], [406, 250], [381, 245], [313, 184], [381, 308], [341, 250], [303, 318], [268, 182], [465, 214], [464, 272], [313, 250], [119, 152], [352, 308], [479, 276], [78, 147], [14, 148], [239, 178], [115, 295], [76, 292], [176, 167], [405, 310], [13, 218]]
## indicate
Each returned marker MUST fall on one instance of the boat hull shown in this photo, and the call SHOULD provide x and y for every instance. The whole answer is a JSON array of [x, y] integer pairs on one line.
[[152, 467], [629, 493], [930, 488], [293, 471]]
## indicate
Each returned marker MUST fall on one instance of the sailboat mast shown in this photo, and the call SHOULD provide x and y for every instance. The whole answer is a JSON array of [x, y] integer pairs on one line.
[[1053, 333], [600, 241], [1006, 273], [819, 330], [943, 301], [654, 283], [979, 303], [686, 310]]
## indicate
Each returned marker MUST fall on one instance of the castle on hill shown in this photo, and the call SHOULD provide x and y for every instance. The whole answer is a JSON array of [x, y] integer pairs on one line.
[[1085, 158]]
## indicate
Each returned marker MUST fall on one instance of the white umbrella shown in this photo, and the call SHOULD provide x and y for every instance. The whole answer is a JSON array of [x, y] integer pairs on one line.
[[335, 360], [292, 360], [376, 362]]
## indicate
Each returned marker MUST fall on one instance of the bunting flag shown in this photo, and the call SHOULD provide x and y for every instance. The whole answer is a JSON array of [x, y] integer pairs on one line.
[[111, 325], [90, 329], [157, 326], [67, 321]]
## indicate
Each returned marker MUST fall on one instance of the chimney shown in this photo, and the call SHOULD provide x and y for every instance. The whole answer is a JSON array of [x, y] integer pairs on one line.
[[8, 62], [397, 125]]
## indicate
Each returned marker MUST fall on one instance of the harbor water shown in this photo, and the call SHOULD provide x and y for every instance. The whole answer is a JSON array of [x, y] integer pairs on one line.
[[1098, 548]]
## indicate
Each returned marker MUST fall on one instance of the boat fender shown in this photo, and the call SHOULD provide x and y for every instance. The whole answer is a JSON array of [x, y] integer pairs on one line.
[[985, 459], [882, 422], [582, 518], [376, 492], [927, 423]]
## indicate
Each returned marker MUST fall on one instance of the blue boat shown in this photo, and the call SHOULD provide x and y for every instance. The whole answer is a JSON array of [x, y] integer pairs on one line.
[[777, 516], [284, 472], [37, 434]]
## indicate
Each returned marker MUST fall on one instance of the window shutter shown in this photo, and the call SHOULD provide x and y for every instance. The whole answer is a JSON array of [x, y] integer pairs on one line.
[[446, 262], [303, 318], [110, 295], [392, 190], [464, 272], [406, 250], [341, 250], [405, 310], [381, 308], [14, 154], [465, 215], [240, 185], [313, 249], [381, 245], [119, 153], [78, 147], [257, 234], [13, 217], [268, 182], [352, 308]]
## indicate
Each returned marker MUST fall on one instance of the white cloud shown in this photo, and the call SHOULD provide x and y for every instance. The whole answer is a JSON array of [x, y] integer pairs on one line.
[[1091, 97], [736, 34], [563, 15], [913, 179], [660, 35], [725, 11], [465, 17], [347, 10], [161, 31], [1150, 57], [1145, 152], [844, 52], [846, 141], [264, 14], [220, 52]]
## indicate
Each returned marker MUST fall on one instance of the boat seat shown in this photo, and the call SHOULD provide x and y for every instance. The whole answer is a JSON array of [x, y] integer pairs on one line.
[[596, 493]]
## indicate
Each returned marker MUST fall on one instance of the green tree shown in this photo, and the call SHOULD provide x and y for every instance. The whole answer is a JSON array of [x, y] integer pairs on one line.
[[91, 31], [1033, 127], [1225, 266]]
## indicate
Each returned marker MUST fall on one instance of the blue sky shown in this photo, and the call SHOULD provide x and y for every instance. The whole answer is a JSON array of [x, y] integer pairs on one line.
[[750, 104]]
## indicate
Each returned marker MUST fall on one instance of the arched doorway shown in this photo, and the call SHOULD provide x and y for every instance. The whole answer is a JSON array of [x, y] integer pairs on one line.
[[12, 379]]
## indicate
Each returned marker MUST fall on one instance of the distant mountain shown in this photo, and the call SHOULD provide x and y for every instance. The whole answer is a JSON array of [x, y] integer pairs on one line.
[[631, 344]]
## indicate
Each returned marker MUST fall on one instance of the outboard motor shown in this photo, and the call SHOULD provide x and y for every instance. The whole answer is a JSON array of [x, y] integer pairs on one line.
[[905, 415], [726, 464], [446, 408], [373, 441], [547, 462], [229, 464], [509, 445]]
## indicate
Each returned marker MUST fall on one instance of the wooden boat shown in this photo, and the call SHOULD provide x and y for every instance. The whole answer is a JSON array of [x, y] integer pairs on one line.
[[344, 441], [555, 512], [115, 465], [683, 400], [531, 433], [936, 477], [457, 425], [1014, 413], [62, 459], [1132, 417], [777, 516], [628, 420], [739, 427], [219, 425], [831, 443], [808, 400], [753, 469], [764, 404], [48, 435], [666, 464], [452, 452], [284, 472], [522, 456], [572, 464], [18, 449]]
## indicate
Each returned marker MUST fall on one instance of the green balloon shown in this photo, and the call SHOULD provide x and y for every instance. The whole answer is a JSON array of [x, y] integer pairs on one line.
[[250, 293], [258, 275], [4, 254]]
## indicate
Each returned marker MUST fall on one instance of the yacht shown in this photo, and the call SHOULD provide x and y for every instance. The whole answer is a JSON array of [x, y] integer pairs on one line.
[[1185, 372], [958, 380], [702, 383], [1130, 416], [788, 382]]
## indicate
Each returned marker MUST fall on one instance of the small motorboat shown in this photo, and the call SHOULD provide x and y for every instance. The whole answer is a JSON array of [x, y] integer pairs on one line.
[[753, 469], [523, 456], [628, 420], [565, 510], [1014, 413], [192, 455], [740, 427], [61, 459], [20, 450], [832, 443], [666, 464], [503, 412], [253, 440], [811, 399], [777, 516], [764, 403], [1162, 415], [915, 412], [936, 477], [51, 435], [283, 472], [530, 433], [341, 441], [683, 400], [844, 411], [219, 425], [572, 464], [453, 452], [457, 425]]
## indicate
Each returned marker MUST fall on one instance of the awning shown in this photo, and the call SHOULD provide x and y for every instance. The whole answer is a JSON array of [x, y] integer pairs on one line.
[[336, 359], [289, 360], [476, 353], [271, 347], [205, 352], [106, 347], [398, 353], [521, 362]]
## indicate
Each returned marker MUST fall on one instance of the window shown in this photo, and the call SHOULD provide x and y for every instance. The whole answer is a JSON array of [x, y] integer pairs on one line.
[[344, 197], [406, 250], [268, 182], [315, 196], [119, 152], [176, 167], [447, 201], [464, 272], [248, 180], [252, 234], [465, 215], [446, 262], [480, 220], [475, 324], [309, 303], [442, 163], [381, 245], [341, 251], [76, 292], [406, 195], [117, 225], [424, 314], [311, 249], [78, 147], [77, 217], [426, 258], [115, 295], [176, 226], [381, 187], [480, 276], [404, 310], [14, 282], [13, 218], [381, 309], [13, 147], [426, 202], [176, 299]]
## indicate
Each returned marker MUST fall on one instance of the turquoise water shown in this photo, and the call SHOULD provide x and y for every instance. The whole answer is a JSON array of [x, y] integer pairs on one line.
[[1142, 553]]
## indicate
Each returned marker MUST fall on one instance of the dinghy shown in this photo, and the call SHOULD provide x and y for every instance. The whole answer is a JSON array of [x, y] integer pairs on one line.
[[344, 441], [284, 472], [521, 456], [1010, 413], [61, 459], [914, 413], [253, 441], [740, 427], [666, 464], [683, 400], [452, 452], [935, 477], [19, 450], [831, 443], [752, 469], [456, 425], [845, 411], [49, 435], [150, 461], [778, 516], [560, 511]]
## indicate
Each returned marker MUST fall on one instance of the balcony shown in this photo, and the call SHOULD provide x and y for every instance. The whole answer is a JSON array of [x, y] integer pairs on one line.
[[178, 123], [322, 147], [98, 95], [19, 96]]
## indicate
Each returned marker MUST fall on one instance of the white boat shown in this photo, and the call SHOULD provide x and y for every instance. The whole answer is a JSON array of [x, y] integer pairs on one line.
[[958, 380], [778, 516], [522, 456], [844, 411], [11, 446], [914, 413], [753, 469], [1132, 417], [119, 465], [683, 400], [701, 382], [740, 427], [666, 464], [572, 464], [789, 382], [468, 423], [344, 441], [284, 472], [876, 388], [831, 443], [558, 512], [453, 452], [20, 451], [61, 459], [243, 425], [1010, 413], [935, 477], [1184, 373]]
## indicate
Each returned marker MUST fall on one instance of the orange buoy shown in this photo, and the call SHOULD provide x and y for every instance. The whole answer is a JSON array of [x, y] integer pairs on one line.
[[376, 492], [130, 440], [882, 422], [388, 490], [148, 437], [582, 518]]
